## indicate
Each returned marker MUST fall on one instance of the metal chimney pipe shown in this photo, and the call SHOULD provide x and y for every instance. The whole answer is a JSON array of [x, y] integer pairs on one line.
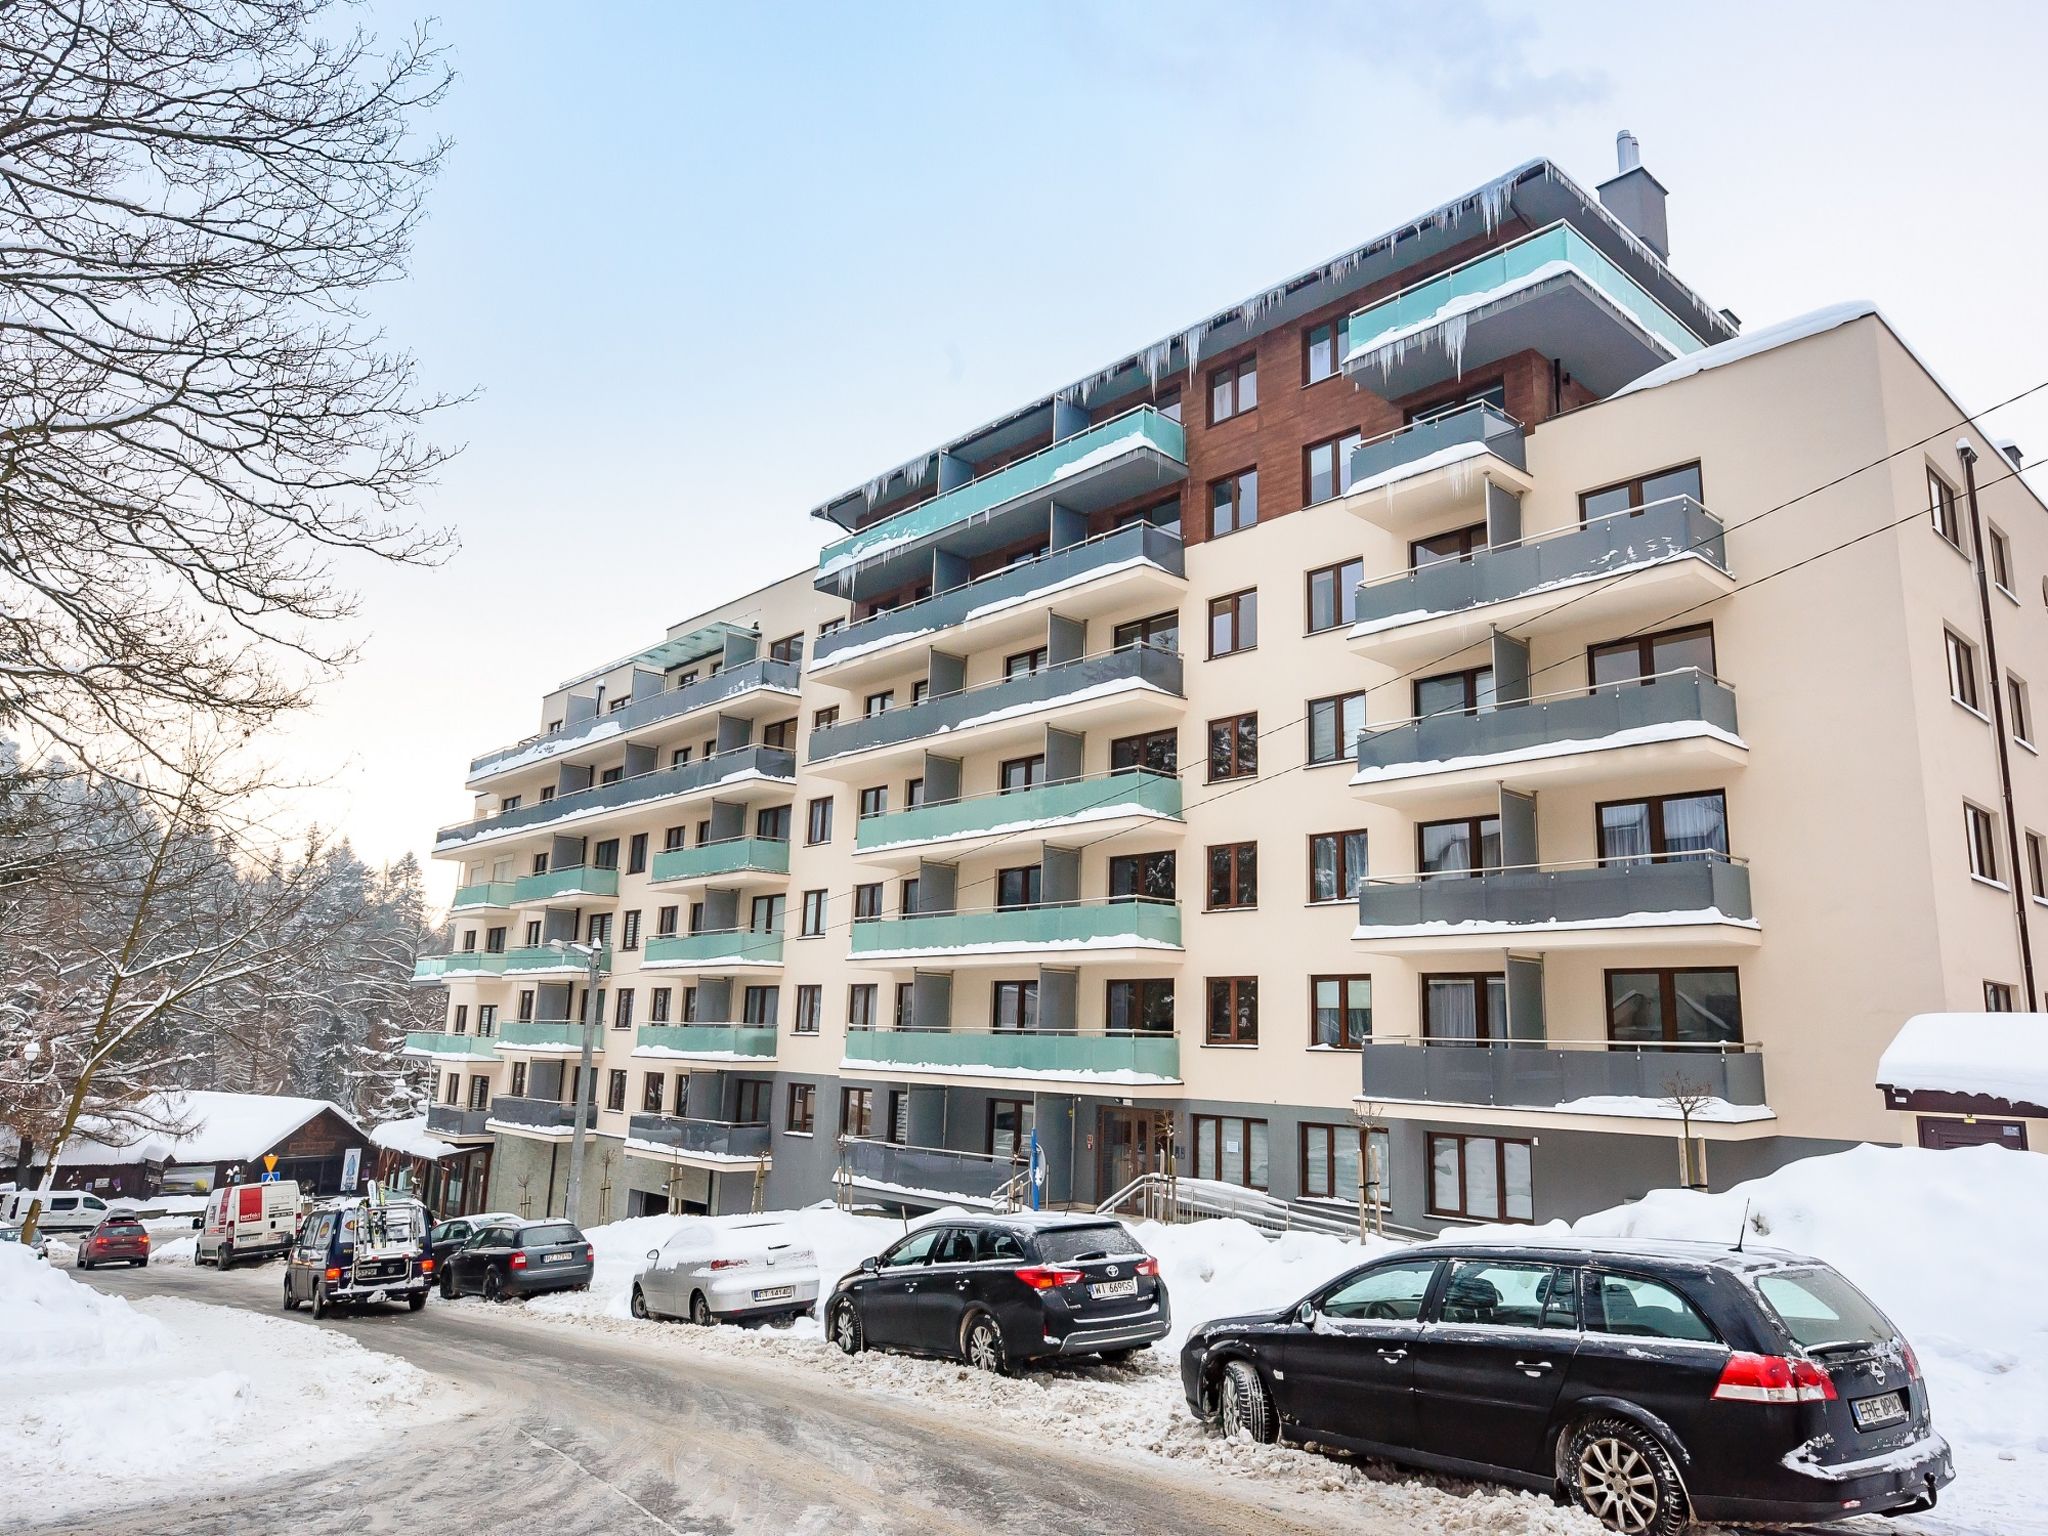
[[1627, 152]]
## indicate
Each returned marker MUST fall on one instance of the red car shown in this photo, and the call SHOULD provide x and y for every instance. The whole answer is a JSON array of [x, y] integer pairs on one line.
[[117, 1240]]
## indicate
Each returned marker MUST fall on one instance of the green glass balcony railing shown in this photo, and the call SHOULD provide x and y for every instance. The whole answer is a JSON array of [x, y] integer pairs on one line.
[[1077, 926], [491, 894], [705, 774], [434, 1042], [1015, 1050], [567, 884], [1049, 805], [463, 962], [543, 1034], [525, 962], [731, 856], [720, 1040], [716, 950]]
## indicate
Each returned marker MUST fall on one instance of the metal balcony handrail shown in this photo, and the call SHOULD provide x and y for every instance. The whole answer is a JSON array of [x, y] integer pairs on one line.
[[1036, 906], [914, 1028], [1009, 794], [1592, 690], [1544, 537], [1055, 666], [1481, 406], [1613, 861], [997, 1158], [1713, 1047], [598, 793]]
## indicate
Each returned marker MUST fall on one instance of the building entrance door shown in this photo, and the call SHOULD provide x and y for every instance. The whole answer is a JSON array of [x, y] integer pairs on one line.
[[1128, 1143], [1943, 1134]]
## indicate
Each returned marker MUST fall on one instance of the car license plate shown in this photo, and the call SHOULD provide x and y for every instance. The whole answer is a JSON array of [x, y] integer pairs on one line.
[[1106, 1288], [1876, 1412], [558, 1258], [775, 1293]]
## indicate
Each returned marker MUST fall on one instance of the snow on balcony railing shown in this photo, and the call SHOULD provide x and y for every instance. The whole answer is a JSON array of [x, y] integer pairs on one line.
[[726, 856], [1122, 922], [1641, 890], [705, 773], [1101, 797], [1613, 1077]]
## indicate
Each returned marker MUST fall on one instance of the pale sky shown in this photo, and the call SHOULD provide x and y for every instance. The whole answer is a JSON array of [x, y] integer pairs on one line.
[[709, 265]]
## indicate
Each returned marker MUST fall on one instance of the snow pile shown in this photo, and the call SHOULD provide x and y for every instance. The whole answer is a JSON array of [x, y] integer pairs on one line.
[[48, 1320], [1224, 1267], [2004, 1055]]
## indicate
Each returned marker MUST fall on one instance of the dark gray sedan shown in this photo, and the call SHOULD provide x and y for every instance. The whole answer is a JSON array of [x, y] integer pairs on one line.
[[519, 1258]]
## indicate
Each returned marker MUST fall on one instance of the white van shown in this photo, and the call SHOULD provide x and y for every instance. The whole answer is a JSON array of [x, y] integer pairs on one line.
[[64, 1210], [247, 1221]]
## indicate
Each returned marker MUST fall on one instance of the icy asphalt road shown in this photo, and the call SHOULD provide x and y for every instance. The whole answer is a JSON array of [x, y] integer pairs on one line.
[[577, 1432]]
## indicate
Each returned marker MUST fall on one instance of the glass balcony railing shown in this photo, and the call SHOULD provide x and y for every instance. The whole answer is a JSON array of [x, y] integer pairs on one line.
[[1048, 687], [540, 1114], [1540, 1074], [434, 1042], [1010, 587], [1383, 459], [704, 1138], [731, 856], [1644, 709], [590, 880], [712, 950], [1665, 530], [462, 962], [706, 773], [995, 1051], [1076, 801], [1141, 430], [1639, 891], [452, 1120], [544, 1035], [492, 895], [673, 704], [754, 1041], [541, 957], [929, 1170], [1082, 925]]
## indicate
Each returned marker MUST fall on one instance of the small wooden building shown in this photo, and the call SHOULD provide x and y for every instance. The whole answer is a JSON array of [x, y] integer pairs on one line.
[[220, 1138]]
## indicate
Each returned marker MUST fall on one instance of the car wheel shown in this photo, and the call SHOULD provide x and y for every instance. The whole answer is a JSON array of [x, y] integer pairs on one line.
[[142, 1263], [846, 1329], [1620, 1475], [291, 1302], [492, 1290], [700, 1310], [78, 1262], [320, 1307], [226, 1257], [639, 1305], [1247, 1406], [982, 1345], [415, 1301], [447, 1285]]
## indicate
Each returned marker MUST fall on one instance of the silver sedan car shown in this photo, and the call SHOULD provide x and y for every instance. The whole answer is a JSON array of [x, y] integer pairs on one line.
[[728, 1269], [12, 1234]]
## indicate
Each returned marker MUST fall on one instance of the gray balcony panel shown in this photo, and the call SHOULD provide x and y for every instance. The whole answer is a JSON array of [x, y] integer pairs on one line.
[[1560, 896], [704, 773], [933, 1168], [1500, 432], [1541, 1077], [541, 1114], [712, 1138], [451, 1120]]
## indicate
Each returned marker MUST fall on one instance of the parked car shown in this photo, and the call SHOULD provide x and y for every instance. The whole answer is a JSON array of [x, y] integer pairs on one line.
[[117, 1240], [360, 1251], [520, 1258], [449, 1235], [999, 1290], [64, 1210], [717, 1270], [9, 1233], [1648, 1382], [247, 1221]]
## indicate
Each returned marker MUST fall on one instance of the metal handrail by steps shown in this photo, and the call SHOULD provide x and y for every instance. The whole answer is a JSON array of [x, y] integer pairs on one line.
[[1158, 1197]]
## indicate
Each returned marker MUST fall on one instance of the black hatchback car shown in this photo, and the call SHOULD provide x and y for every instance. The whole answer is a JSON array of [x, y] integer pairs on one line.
[[519, 1258], [998, 1290], [1648, 1383]]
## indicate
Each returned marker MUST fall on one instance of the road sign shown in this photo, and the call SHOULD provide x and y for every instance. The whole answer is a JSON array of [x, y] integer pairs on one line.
[[270, 1162]]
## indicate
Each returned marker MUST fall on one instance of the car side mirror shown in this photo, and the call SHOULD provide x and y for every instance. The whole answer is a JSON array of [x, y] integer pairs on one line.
[[870, 1265], [653, 1254], [198, 1222], [1305, 1314]]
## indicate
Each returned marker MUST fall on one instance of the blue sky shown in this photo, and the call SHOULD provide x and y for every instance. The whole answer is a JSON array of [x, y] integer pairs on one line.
[[709, 265]]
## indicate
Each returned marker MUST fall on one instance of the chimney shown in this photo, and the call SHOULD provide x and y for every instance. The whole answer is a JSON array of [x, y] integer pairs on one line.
[[1636, 197]]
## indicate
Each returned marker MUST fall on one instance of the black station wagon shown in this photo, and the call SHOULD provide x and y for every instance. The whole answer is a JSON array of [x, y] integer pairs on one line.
[[1651, 1384]]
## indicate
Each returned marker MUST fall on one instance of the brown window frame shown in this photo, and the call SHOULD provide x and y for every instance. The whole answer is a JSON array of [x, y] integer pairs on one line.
[[818, 821], [1633, 484], [2037, 866], [1022, 1109], [1475, 840], [1233, 608], [2019, 709], [753, 1101], [1023, 989], [1471, 539], [1668, 1008], [1235, 480], [1034, 660], [1213, 1125], [615, 1091], [1242, 759], [1346, 751], [1235, 991], [1340, 464], [872, 801], [863, 1002], [2001, 997], [810, 1008], [859, 1124], [1500, 1176], [1141, 988], [1233, 374], [828, 715], [867, 902], [1344, 876], [1328, 1158], [1344, 1042], [1339, 327], [2000, 549], [1345, 606], [653, 1092], [1944, 509], [1236, 881], [1646, 652], [811, 915], [1450, 401], [1033, 777], [1980, 828], [1483, 1021], [1659, 846], [801, 1117], [1961, 658]]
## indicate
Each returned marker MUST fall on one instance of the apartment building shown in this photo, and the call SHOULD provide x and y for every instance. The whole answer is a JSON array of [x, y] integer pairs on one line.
[[1462, 725]]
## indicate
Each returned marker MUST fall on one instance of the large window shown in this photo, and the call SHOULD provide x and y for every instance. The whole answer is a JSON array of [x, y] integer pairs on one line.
[[1336, 866], [1635, 494], [1322, 350], [1340, 1011], [1009, 1128], [810, 1008], [1020, 773], [758, 1005], [812, 925], [1458, 544], [1234, 747], [1141, 1005], [818, 821], [1233, 876], [860, 1005], [1450, 849], [1019, 887], [1941, 506], [1333, 595], [1982, 829], [1334, 726], [1326, 467], [857, 1112], [1234, 389], [1142, 874], [1469, 692], [1233, 623], [1465, 1007], [1160, 629], [1691, 826], [1014, 1005], [1233, 1010], [1644, 656], [1482, 1177], [1698, 1005], [1231, 1149], [1330, 1163], [1962, 671], [1156, 751], [1233, 503]]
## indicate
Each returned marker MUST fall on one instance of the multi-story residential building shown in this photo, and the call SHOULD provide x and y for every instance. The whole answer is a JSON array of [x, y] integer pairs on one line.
[[1461, 714]]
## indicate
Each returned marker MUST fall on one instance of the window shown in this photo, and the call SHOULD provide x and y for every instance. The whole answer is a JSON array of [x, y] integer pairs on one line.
[[598, 929], [1998, 997], [679, 756], [479, 1093], [673, 838], [1465, 1007], [451, 1087], [1234, 747], [919, 691], [1458, 544], [494, 941], [1453, 849], [1390, 1292], [605, 855], [867, 902], [1331, 1158], [1497, 1294], [1141, 1006], [1334, 726], [788, 648], [878, 703], [1699, 1005], [1233, 876], [527, 999], [1941, 504], [758, 1006], [1018, 888], [622, 1009], [780, 734], [1333, 595], [513, 802], [615, 1090], [1148, 875], [906, 896], [803, 1104], [1482, 1177], [771, 823], [533, 930], [1336, 865], [689, 1005], [1327, 467], [487, 1019], [860, 1006], [2037, 866], [658, 1003], [1230, 1149], [1233, 390], [856, 1111], [810, 1009], [873, 801], [1233, 623], [1155, 752], [1455, 693], [813, 916], [1233, 503], [1160, 629], [752, 1105], [629, 930], [1009, 1129], [1647, 656], [820, 718], [1634, 495], [665, 919], [518, 1084], [1021, 773], [2019, 711], [1024, 663], [461, 1019], [1649, 1309], [636, 854], [2001, 560], [1233, 1010], [1982, 829], [652, 1088], [1322, 350], [830, 627], [1340, 1011], [1691, 826], [1962, 671], [818, 821], [1014, 1005], [906, 1005]]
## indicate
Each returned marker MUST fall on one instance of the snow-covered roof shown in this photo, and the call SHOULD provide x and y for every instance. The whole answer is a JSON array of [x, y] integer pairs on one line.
[[1764, 339], [410, 1137], [1998, 1055], [219, 1128]]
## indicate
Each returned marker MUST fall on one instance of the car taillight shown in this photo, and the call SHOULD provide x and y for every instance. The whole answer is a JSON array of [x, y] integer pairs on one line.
[[1912, 1360], [426, 1266], [1044, 1277], [334, 1275], [1748, 1378], [1148, 1266], [517, 1261], [99, 1242], [590, 1253]]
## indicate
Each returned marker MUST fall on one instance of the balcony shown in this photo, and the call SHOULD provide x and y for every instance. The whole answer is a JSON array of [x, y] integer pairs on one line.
[[1409, 479], [1123, 929], [491, 896], [726, 774], [718, 949], [1105, 466], [538, 1114], [728, 858], [1126, 568], [1605, 575], [700, 1143], [451, 1120], [931, 1175], [1682, 719], [1069, 694], [1661, 901], [723, 690], [444, 1046], [458, 965], [544, 960], [567, 887], [706, 1042], [545, 1037], [1036, 1054], [1106, 804], [1570, 1077], [1550, 292]]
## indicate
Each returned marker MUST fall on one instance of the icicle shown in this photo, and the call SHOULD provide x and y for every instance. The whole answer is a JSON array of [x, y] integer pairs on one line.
[[874, 488], [1156, 359], [1453, 333], [915, 471], [1192, 342]]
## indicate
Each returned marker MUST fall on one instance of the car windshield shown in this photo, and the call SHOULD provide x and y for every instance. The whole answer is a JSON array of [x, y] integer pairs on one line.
[[547, 1235], [1819, 1308], [1073, 1245]]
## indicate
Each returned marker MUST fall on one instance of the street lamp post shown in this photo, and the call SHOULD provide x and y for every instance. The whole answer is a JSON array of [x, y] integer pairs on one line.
[[593, 956]]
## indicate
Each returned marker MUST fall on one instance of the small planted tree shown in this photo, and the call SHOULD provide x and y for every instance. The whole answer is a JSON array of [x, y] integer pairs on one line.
[[1689, 1098]]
